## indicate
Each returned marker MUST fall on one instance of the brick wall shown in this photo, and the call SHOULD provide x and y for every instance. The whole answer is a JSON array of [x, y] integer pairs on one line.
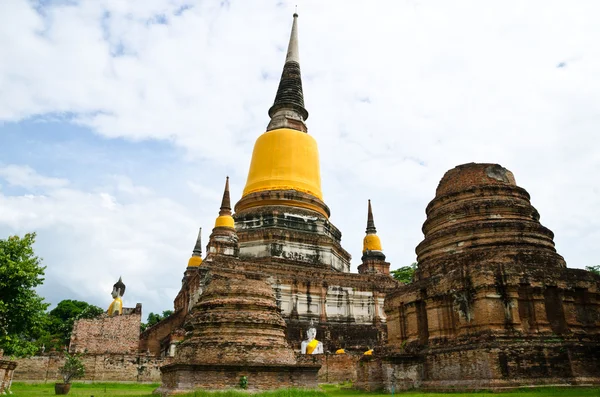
[[98, 368], [335, 368], [151, 338], [179, 378], [108, 335]]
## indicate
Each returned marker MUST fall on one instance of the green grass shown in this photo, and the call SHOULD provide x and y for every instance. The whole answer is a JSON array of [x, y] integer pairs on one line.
[[274, 393], [21, 389], [337, 391]]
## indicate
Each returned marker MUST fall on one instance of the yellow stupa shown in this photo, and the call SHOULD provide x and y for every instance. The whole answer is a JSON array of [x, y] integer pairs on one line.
[[225, 219], [285, 157], [196, 258], [371, 241]]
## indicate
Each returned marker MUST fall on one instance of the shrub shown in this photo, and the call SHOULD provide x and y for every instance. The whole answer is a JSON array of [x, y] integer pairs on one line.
[[72, 369]]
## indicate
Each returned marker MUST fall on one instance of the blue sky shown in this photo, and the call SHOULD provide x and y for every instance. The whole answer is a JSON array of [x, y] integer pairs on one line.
[[120, 120]]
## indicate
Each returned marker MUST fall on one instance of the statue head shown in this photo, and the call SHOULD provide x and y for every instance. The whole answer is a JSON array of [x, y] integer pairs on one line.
[[311, 332], [118, 289]]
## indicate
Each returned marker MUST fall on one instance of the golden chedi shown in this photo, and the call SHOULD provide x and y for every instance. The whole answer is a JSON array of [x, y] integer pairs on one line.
[[281, 214], [373, 259]]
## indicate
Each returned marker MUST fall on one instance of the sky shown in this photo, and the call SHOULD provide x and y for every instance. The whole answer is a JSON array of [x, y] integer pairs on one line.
[[119, 121]]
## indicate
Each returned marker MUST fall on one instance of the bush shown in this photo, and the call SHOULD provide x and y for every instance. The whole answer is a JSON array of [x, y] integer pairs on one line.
[[72, 369]]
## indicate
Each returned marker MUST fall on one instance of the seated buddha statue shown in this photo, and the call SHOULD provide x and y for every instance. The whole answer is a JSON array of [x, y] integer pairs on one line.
[[311, 345], [116, 307]]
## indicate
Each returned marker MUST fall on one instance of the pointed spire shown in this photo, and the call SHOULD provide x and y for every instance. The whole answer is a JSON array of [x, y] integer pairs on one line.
[[293, 55], [226, 202], [198, 247], [370, 221], [288, 109]]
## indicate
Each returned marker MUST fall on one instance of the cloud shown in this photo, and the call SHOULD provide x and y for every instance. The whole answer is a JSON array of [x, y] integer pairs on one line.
[[398, 93], [25, 176], [89, 238]]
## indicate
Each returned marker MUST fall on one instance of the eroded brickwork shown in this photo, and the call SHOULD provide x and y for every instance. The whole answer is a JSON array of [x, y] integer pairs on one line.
[[156, 339], [118, 334], [7, 368], [98, 368], [335, 368], [493, 304], [235, 330]]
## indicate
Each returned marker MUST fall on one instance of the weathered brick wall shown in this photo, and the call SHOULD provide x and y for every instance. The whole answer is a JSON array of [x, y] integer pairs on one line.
[[180, 378], [108, 335], [369, 374], [150, 339], [335, 368], [98, 368]]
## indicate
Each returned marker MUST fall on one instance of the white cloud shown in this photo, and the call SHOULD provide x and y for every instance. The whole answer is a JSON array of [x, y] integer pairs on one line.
[[88, 239], [398, 93], [25, 176]]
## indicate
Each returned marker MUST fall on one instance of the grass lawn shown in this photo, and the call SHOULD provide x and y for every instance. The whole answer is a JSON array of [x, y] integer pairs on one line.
[[20, 389]]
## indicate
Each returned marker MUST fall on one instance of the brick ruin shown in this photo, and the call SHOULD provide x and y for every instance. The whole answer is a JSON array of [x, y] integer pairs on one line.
[[235, 330], [7, 368], [119, 334], [493, 304]]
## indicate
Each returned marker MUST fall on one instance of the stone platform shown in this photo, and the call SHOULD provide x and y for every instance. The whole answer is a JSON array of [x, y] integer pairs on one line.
[[182, 378]]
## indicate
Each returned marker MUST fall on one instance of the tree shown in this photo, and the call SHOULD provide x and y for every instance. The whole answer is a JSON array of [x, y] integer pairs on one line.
[[62, 318], [405, 274], [593, 269], [154, 318], [22, 310], [72, 369]]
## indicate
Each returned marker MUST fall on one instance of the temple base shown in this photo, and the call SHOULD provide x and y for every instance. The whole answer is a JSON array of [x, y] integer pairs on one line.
[[493, 366], [183, 378]]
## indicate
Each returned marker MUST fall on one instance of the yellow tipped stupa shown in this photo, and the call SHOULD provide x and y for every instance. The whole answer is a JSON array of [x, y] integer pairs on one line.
[[225, 219], [371, 241], [286, 157], [196, 258]]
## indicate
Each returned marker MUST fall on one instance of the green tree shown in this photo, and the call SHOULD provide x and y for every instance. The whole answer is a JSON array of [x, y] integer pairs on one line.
[[154, 318], [405, 274], [593, 269], [61, 320], [22, 310], [73, 368]]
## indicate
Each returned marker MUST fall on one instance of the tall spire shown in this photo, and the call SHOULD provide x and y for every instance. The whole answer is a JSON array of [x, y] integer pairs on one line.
[[288, 109], [226, 202], [370, 221], [198, 247]]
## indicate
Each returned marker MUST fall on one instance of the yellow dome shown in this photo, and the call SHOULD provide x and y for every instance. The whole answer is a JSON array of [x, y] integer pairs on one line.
[[371, 242], [285, 159], [340, 351], [368, 352], [195, 261], [225, 221]]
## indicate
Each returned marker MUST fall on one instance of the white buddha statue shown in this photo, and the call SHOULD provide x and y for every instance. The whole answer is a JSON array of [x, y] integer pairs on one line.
[[311, 345], [116, 307]]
